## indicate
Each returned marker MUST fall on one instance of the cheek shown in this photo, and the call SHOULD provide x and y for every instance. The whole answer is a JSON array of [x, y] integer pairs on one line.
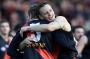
[[45, 16], [8, 29], [77, 35], [2, 29], [53, 13]]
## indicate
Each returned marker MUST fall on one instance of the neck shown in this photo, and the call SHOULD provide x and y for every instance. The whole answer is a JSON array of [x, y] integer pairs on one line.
[[5, 37]]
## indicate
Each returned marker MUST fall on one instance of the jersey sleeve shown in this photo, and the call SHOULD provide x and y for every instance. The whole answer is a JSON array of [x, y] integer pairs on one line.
[[12, 50]]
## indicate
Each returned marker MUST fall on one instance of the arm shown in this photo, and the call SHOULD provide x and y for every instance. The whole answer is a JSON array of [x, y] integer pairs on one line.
[[12, 50], [59, 23], [81, 44]]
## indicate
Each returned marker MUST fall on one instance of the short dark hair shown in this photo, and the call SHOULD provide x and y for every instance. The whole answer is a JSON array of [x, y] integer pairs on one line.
[[34, 9], [75, 27], [3, 20]]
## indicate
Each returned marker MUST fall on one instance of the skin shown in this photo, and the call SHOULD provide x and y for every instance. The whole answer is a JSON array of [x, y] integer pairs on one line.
[[4, 29], [78, 33], [81, 38], [47, 13]]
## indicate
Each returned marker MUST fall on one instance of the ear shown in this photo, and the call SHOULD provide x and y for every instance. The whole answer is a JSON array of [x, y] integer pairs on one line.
[[40, 17]]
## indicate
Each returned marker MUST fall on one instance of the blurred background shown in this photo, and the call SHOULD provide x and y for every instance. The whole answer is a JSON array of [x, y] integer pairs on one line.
[[77, 12]]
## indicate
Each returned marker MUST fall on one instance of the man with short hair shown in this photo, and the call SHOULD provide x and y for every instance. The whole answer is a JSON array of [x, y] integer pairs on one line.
[[61, 31], [4, 39], [64, 38], [82, 40]]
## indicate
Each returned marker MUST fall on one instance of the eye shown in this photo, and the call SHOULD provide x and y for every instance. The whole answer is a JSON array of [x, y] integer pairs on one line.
[[50, 10], [45, 13]]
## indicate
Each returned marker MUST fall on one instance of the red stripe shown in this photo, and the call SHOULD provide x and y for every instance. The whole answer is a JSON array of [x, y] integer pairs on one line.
[[44, 53], [25, 25], [28, 33], [6, 56], [56, 51], [75, 58]]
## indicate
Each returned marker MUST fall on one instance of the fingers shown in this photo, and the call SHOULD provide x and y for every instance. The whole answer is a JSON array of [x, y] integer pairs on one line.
[[28, 44], [31, 38], [29, 41], [23, 29], [21, 33]]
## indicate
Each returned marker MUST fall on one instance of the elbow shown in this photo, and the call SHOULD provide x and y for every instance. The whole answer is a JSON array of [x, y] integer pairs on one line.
[[67, 28]]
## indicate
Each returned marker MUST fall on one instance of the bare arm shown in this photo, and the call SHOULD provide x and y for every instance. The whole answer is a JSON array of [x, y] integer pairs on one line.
[[81, 44], [59, 23]]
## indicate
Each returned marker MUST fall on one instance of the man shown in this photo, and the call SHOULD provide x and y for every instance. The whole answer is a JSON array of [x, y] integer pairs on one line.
[[40, 49], [82, 40], [45, 12], [62, 36], [4, 39]]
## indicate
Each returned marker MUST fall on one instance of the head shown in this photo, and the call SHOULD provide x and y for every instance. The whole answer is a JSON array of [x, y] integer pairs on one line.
[[14, 18], [78, 31], [42, 11], [4, 27]]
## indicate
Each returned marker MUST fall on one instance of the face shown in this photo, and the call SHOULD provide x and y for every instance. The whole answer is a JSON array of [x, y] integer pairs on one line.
[[47, 12], [14, 19], [5, 28], [78, 33]]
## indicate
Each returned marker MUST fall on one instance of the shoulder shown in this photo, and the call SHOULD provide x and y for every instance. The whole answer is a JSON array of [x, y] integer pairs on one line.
[[61, 18]]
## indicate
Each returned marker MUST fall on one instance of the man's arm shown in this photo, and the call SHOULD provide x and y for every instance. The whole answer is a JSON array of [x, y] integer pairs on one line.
[[60, 22], [12, 50], [81, 44], [26, 42]]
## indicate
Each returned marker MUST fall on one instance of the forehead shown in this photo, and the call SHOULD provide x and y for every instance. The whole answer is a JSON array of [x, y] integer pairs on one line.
[[5, 23], [45, 8], [79, 29]]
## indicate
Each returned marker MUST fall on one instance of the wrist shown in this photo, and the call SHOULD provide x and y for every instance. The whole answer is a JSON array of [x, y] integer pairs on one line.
[[21, 33], [28, 28]]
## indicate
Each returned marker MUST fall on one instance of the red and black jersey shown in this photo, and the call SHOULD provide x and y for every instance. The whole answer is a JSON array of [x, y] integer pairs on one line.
[[3, 49], [40, 49]]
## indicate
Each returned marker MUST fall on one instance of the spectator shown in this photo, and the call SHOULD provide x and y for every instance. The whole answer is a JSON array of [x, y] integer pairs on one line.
[[4, 39], [79, 34]]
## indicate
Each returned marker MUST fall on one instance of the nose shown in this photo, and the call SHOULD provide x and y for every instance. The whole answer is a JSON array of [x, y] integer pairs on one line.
[[49, 13]]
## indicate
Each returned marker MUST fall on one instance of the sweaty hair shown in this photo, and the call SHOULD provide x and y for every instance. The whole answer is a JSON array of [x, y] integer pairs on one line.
[[34, 10]]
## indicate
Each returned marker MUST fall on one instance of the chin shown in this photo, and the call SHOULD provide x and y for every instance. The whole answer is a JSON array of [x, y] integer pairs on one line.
[[50, 20]]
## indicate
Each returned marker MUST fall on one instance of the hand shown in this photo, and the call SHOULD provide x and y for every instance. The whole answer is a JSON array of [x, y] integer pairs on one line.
[[25, 42], [29, 40], [23, 29]]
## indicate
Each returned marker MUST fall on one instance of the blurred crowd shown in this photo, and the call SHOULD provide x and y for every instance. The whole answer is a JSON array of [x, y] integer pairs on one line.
[[77, 12]]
